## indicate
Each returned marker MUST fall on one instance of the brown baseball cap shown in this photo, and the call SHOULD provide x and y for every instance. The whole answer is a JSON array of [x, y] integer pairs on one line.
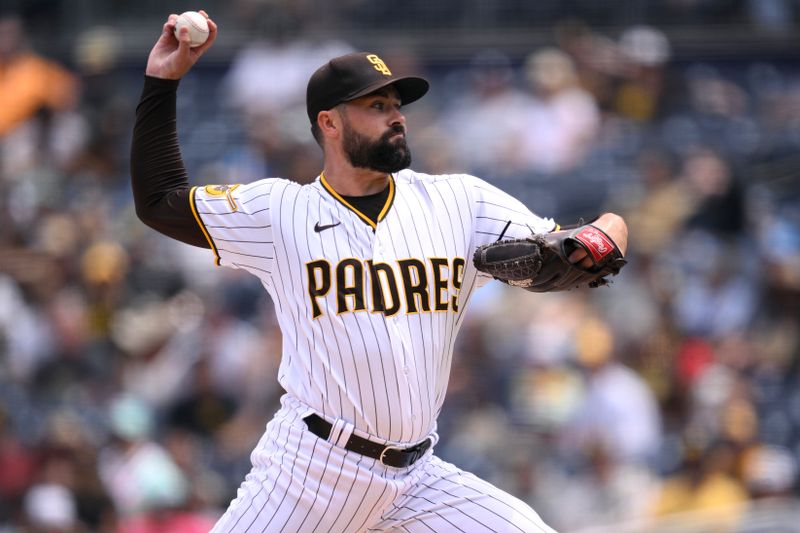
[[351, 76]]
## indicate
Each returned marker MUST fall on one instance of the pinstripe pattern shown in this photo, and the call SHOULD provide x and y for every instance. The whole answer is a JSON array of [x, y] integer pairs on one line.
[[300, 483], [379, 363]]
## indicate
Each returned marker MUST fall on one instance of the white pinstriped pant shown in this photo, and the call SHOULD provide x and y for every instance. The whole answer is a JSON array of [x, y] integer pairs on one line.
[[301, 483]]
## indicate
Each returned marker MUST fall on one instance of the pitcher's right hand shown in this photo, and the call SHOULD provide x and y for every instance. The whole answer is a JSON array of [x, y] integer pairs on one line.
[[171, 58]]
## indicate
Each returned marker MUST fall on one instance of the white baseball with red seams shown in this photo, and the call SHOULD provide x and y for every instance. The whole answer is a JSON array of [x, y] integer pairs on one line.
[[197, 24]]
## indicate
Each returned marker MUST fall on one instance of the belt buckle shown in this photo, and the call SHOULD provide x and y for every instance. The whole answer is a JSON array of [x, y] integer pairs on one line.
[[386, 449]]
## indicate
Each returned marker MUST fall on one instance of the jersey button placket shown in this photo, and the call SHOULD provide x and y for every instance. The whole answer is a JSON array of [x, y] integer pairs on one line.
[[379, 256]]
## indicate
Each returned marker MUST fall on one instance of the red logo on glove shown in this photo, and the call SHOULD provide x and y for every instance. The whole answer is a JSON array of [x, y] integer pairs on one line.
[[597, 242]]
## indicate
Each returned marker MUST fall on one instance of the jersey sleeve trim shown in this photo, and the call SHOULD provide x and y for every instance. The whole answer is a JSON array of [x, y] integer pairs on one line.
[[193, 204]]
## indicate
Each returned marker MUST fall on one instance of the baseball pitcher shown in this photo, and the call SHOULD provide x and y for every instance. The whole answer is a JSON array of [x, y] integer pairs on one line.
[[371, 268]]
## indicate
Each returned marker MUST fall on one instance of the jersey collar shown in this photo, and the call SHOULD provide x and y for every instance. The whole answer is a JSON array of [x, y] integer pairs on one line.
[[348, 205]]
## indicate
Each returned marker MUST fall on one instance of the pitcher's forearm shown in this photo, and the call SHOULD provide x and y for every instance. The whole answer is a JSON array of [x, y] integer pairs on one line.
[[159, 179]]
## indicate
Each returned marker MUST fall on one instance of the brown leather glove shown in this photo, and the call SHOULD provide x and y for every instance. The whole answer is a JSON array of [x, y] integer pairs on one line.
[[540, 263]]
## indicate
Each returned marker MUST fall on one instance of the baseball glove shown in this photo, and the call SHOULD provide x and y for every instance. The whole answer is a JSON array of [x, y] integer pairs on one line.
[[540, 263]]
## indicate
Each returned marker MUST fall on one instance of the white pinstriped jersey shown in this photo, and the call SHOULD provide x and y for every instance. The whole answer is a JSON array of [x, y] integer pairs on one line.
[[369, 312]]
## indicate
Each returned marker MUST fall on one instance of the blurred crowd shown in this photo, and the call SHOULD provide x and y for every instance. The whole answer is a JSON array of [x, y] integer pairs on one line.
[[135, 377]]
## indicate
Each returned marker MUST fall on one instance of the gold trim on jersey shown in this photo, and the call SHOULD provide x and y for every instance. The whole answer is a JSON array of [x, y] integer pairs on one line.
[[362, 216], [203, 226]]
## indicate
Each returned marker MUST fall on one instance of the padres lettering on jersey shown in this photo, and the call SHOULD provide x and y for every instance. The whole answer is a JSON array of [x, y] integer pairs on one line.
[[353, 276], [369, 312]]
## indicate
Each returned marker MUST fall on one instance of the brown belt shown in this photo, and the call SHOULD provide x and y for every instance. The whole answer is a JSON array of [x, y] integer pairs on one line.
[[387, 455]]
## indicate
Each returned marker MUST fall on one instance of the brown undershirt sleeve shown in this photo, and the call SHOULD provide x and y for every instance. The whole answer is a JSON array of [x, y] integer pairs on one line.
[[159, 179]]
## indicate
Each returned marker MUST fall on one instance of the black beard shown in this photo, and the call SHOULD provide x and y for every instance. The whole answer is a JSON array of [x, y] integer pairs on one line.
[[381, 155]]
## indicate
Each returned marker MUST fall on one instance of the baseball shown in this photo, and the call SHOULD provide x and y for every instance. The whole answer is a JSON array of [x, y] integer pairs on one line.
[[197, 24]]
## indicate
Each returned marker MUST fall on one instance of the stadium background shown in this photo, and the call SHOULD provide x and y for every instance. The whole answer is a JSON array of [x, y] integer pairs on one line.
[[135, 377]]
